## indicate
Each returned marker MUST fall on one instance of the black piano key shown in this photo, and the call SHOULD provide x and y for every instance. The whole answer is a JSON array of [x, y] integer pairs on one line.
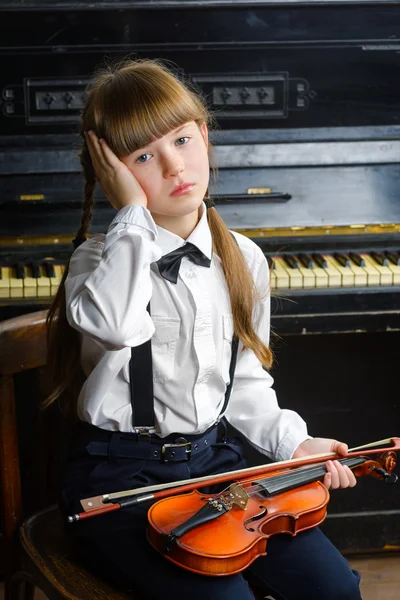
[[35, 270], [343, 260], [394, 257], [291, 261], [1, 273], [19, 270], [320, 260], [357, 259], [50, 272], [306, 260], [380, 258]]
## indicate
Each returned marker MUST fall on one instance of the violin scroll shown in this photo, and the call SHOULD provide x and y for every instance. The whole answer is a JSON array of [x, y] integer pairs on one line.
[[381, 467]]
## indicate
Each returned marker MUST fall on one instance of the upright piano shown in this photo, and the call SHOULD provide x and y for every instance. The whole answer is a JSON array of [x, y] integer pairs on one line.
[[307, 100]]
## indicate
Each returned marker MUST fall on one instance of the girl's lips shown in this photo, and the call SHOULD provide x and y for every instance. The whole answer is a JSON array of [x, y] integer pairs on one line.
[[183, 189]]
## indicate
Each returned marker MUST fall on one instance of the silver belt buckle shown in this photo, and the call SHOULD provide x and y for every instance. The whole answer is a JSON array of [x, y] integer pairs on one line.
[[180, 445]]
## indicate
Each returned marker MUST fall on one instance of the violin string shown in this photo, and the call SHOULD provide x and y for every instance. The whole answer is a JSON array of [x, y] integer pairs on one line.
[[293, 478], [281, 477], [269, 479], [250, 481], [289, 480]]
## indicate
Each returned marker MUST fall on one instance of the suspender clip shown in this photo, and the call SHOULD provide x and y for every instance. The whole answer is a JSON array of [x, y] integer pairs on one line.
[[144, 433]]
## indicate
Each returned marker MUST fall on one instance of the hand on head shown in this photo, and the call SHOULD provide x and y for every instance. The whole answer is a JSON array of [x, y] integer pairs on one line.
[[337, 476], [119, 185]]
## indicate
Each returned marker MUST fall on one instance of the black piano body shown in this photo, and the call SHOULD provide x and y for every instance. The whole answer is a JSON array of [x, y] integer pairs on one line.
[[307, 100]]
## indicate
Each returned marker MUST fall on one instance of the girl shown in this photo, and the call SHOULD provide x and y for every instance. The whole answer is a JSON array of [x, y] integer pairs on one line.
[[169, 271]]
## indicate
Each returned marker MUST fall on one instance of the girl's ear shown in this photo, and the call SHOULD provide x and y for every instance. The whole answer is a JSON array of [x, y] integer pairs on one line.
[[204, 133]]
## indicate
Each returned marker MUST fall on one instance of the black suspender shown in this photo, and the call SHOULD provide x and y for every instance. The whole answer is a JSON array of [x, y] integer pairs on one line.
[[232, 367], [141, 385]]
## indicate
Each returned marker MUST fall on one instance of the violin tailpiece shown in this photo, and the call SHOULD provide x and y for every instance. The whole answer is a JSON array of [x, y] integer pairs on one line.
[[214, 508]]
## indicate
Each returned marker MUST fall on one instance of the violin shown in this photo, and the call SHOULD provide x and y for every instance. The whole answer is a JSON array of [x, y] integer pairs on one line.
[[223, 533]]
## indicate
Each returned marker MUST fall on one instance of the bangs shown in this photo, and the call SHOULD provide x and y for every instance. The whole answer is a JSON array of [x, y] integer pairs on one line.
[[136, 106]]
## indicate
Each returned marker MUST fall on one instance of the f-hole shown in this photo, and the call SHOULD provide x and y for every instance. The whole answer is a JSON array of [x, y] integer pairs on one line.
[[260, 515]]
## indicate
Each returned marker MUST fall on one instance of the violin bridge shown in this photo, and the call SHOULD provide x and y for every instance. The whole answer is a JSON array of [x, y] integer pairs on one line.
[[236, 494]]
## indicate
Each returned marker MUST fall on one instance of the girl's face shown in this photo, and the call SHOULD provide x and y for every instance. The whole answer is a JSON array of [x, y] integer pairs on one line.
[[173, 170]]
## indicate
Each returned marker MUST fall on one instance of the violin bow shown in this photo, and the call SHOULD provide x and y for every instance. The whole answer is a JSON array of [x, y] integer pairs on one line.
[[97, 505]]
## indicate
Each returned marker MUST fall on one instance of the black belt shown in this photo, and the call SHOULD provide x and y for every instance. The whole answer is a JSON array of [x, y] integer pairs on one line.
[[125, 445]]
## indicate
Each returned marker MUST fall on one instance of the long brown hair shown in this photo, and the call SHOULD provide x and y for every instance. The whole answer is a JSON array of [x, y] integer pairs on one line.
[[131, 104]]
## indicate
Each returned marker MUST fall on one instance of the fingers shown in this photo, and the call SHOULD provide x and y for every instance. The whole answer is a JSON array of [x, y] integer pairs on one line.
[[351, 476], [94, 150], [340, 448], [108, 155], [328, 481], [101, 154], [338, 476]]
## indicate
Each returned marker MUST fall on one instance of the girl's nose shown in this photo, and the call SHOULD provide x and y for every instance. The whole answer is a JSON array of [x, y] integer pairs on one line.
[[173, 165]]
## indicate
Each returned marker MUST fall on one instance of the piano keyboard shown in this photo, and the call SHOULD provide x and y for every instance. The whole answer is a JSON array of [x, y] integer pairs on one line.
[[34, 280], [301, 271], [307, 271]]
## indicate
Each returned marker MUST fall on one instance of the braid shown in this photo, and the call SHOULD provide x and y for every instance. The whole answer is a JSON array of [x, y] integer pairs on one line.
[[90, 185]]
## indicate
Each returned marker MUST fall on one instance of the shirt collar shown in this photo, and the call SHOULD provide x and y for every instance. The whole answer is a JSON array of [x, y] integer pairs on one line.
[[200, 237]]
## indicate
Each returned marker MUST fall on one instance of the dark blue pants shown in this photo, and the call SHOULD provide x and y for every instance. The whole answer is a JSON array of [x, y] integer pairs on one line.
[[305, 567]]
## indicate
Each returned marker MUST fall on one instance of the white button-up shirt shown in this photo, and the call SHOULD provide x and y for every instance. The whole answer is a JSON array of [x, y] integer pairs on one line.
[[112, 278]]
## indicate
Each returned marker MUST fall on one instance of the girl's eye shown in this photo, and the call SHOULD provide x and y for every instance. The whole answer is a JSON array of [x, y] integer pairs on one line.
[[144, 158], [182, 141]]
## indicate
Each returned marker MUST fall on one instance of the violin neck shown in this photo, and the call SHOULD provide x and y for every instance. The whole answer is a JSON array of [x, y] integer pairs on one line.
[[278, 484]]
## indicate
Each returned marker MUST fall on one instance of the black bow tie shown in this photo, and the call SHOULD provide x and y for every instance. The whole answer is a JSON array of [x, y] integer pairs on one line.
[[169, 264]]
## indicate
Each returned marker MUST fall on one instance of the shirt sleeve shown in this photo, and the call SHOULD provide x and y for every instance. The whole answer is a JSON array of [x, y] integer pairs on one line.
[[108, 286], [253, 407]]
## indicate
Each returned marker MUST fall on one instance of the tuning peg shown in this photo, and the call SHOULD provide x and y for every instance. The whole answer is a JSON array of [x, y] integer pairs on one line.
[[390, 478]]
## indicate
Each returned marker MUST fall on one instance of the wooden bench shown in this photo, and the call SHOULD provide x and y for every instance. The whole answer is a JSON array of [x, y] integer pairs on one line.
[[36, 550]]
